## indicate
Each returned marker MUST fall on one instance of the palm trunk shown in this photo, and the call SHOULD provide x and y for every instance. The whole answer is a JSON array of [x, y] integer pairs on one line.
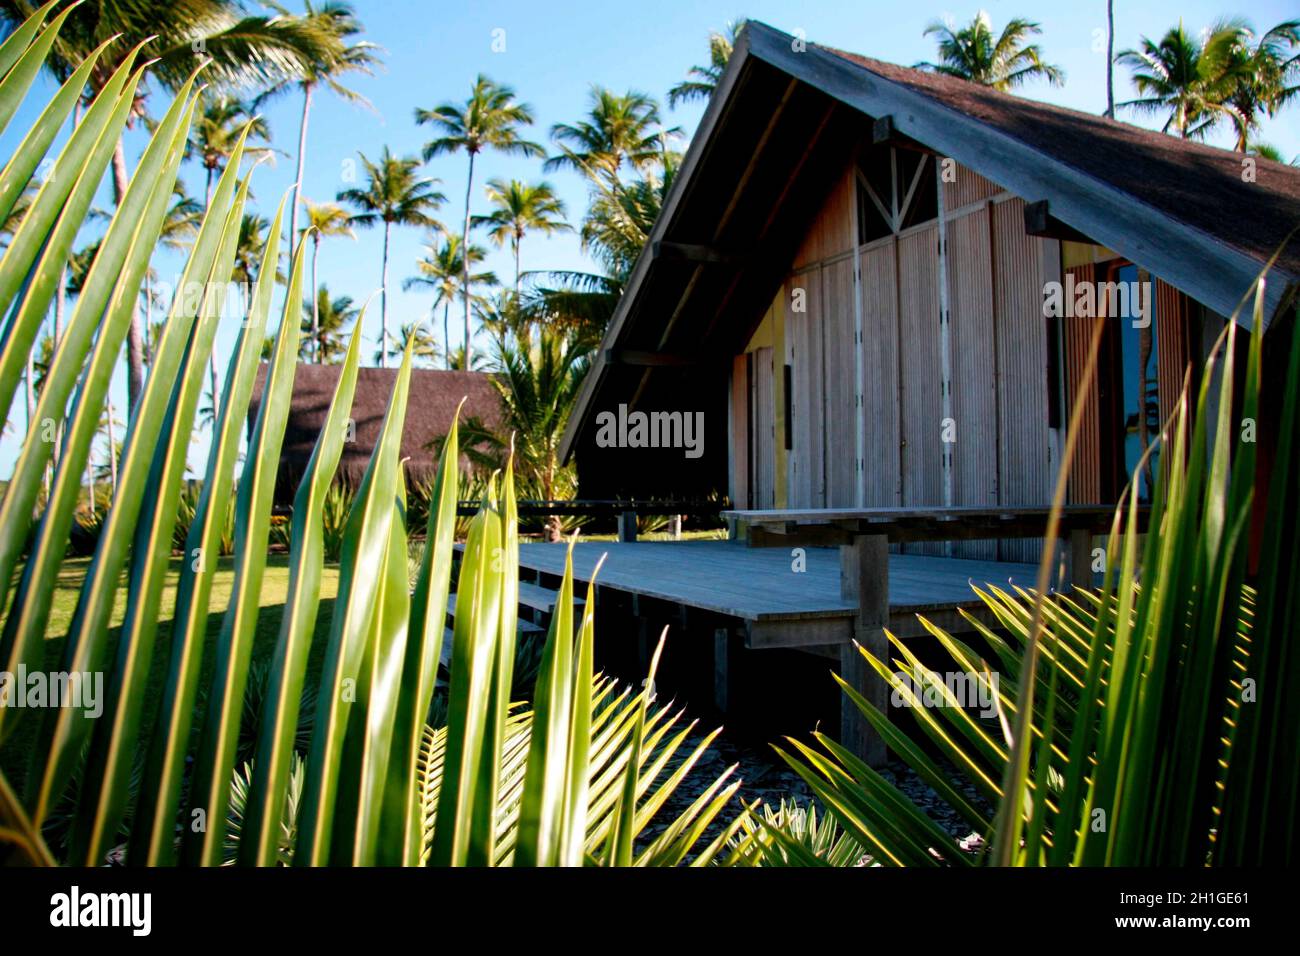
[[134, 337], [212, 356], [1110, 58], [297, 183], [60, 305], [112, 456], [383, 303], [315, 301], [469, 189], [446, 329]]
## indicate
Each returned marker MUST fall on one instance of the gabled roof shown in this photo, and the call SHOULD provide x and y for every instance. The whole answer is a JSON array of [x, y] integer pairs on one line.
[[785, 111]]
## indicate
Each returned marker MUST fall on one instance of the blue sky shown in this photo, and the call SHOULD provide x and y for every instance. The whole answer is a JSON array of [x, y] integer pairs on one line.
[[554, 53]]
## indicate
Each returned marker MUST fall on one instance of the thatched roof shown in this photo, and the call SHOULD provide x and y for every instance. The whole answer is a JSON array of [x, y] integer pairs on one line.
[[429, 412]]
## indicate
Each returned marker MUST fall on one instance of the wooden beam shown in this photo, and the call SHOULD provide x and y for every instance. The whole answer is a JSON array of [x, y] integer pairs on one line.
[[882, 131], [1040, 222], [663, 250], [651, 359]]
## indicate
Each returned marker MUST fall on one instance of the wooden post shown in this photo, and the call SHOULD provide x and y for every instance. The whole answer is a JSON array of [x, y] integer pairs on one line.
[[1081, 558], [726, 659], [864, 577], [627, 526]]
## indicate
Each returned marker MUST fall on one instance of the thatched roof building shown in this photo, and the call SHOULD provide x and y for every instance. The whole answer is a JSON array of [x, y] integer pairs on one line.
[[432, 404]]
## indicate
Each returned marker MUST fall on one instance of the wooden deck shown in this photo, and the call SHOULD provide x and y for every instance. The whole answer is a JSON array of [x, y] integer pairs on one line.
[[780, 607]]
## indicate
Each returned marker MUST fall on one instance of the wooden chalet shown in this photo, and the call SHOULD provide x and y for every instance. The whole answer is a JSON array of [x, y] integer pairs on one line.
[[851, 280]]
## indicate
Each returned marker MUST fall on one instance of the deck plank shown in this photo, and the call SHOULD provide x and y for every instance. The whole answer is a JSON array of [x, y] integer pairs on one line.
[[759, 584]]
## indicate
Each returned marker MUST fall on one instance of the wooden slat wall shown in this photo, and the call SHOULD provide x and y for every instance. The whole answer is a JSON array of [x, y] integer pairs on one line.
[[839, 393], [968, 187], [974, 358], [920, 371], [1173, 349], [1024, 463], [803, 330], [832, 231], [881, 452], [763, 494], [1085, 467], [740, 429]]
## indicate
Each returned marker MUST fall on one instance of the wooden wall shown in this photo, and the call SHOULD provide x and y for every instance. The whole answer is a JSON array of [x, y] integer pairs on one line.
[[890, 451]]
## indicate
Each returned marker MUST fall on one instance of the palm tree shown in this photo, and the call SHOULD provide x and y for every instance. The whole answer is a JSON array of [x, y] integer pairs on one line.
[[443, 270], [703, 80], [338, 21], [325, 219], [216, 132], [490, 119], [617, 130], [241, 51], [325, 319], [538, 385], [394, 195], [1003, 62], [1183, 76], [520, 208], [423, 346], [616, 227], [1262, 75]]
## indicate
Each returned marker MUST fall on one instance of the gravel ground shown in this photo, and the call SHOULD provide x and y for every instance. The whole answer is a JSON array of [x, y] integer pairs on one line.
[[766, 777]]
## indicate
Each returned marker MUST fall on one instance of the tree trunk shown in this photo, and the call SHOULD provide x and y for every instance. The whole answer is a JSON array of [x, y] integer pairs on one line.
[[212, 356], [464, 255], [112, 452], [297, 183], [315, 301], [446, 329], [1110, 58], [134, 338], [383, 304]]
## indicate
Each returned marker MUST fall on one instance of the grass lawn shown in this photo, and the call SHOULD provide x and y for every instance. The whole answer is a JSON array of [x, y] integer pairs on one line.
[[16, 751]]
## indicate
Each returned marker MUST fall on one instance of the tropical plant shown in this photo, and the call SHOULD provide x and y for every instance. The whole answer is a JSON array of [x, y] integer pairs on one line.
[[96, 40], [490, 119], [538, 383], [615, 229], [1263, 75], [703, 80], [618, 131], [218, 127], [1184, 76], [325, 219], [442, 269], [792, 834], [519, 208], [1002, 61], [342, 54], [1144, 723], [413, 336], [394, 195], [325, 320]]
